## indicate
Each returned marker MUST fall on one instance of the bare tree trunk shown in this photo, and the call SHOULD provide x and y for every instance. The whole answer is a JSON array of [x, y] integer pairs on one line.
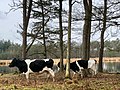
[[26, 17], [100, 66], [69, 41], [61, 35], [24, 33], [87, 29], [44, 42]]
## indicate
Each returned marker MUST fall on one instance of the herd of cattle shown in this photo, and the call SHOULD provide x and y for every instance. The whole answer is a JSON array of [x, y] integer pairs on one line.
[[47, 65]]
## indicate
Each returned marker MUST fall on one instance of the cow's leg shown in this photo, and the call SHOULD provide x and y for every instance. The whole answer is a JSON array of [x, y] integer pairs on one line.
[[95, 69], [73, 74], [52, 74], [27, 76], [81, 72], [48, 76]]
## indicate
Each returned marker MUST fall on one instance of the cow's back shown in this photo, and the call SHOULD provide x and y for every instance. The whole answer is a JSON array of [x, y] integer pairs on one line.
[[83, 63], [37, 65], [49, 63], [74, 66]]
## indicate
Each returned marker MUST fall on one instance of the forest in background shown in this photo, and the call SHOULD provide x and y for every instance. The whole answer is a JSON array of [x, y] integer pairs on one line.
[[9, 50]]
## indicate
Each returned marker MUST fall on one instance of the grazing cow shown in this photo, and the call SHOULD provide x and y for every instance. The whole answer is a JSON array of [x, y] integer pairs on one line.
[[28, 66], [78, 65], [87, 64]]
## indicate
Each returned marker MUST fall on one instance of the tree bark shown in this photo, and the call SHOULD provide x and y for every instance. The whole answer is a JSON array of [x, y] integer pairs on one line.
[[24, 33], [61, 35], [87, 29], [100, 66], [67, 75], [26, 17], [43, 32]]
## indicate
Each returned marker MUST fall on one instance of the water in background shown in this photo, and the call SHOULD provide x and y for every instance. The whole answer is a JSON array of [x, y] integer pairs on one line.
[[111, 67], [6, 69]]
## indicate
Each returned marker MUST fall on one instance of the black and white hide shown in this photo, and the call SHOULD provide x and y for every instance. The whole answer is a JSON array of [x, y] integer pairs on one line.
[[78, 65], [29, 66]]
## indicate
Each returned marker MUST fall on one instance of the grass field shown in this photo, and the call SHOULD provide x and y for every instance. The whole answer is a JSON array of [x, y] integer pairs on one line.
[[101, 81]]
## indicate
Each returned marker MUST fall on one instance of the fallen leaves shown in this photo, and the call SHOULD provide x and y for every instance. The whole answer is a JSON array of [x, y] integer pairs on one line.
[[102, 81]]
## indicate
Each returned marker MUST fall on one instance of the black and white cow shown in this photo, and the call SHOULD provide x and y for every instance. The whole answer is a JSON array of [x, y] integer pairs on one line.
[[28, 66], [78, 65]]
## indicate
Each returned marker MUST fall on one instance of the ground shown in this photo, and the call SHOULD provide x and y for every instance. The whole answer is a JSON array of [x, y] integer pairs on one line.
[[101, 81]]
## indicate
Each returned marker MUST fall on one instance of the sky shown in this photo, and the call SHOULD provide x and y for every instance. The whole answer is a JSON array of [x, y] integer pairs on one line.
[[9, 23]]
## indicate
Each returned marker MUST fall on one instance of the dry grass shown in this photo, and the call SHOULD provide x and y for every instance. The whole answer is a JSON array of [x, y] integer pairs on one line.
[[38, 82]]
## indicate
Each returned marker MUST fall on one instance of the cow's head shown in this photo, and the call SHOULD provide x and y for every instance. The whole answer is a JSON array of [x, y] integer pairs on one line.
[[13, 63]]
